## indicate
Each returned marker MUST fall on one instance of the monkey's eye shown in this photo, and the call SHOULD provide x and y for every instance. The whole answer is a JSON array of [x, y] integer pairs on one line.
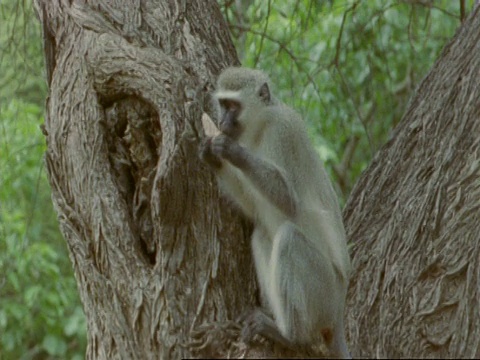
[[230, 105]]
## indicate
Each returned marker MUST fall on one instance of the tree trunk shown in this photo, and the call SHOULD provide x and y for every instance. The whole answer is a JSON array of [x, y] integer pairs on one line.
[[414, 219], [161, 262]]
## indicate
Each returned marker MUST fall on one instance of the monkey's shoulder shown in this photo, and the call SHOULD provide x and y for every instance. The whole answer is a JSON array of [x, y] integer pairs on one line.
[[282, 120]]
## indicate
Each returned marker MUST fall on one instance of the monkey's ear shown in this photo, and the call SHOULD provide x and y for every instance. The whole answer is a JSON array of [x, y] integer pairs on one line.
[[264, 93]]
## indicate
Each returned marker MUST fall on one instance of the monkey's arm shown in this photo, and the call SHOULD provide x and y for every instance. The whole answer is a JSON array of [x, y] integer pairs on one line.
[[267, 177]]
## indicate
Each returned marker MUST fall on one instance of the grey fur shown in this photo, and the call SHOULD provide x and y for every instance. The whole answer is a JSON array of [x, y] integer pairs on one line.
[[273, 172]]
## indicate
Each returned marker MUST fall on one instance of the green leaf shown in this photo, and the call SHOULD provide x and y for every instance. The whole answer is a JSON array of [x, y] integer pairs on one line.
[[32, 294], [54, 345]]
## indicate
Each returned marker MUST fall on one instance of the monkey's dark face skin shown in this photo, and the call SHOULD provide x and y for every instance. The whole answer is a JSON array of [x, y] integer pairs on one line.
[[229, 124]]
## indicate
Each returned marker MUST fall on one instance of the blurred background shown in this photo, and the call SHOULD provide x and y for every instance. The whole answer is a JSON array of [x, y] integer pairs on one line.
[[349, 67]]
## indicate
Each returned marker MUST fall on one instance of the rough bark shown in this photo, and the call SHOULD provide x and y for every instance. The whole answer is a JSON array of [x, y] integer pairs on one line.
[[162, 262], [414, 220]]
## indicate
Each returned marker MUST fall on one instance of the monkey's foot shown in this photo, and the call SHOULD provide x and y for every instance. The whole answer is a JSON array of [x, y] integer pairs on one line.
[[260, 323], [257, 322], [252, 325]]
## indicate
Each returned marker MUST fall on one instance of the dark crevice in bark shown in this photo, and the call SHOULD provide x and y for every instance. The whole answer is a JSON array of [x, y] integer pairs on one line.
[[133, 137]]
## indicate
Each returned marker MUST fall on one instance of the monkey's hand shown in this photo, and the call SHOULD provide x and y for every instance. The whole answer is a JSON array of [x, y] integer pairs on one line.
[[206, 154], [221, 147], [224, 147]]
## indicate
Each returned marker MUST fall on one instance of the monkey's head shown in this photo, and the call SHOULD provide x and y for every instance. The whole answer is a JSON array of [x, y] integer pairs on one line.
[[241, 94]]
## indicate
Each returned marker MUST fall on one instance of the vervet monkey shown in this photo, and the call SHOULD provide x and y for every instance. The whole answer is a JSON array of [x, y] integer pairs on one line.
[[265, 162]]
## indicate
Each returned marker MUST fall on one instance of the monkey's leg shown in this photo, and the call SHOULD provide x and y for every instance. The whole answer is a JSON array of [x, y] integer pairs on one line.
[[306, 295], [258, 321], [262, 250]]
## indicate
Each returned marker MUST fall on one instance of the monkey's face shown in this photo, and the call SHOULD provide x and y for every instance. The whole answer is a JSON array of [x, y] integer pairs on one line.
[[229, 124]]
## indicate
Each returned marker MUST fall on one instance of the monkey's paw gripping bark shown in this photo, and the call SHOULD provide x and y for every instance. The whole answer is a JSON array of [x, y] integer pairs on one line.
[[206, 154], [258, 322], [255, 323]]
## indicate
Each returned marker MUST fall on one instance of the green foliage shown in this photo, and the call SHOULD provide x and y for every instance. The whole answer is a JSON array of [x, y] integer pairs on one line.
[[349, 67], [40, 313], [21, 54]]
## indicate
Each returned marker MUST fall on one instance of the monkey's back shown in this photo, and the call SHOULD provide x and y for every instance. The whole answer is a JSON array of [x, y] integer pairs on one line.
[[318, 212]]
